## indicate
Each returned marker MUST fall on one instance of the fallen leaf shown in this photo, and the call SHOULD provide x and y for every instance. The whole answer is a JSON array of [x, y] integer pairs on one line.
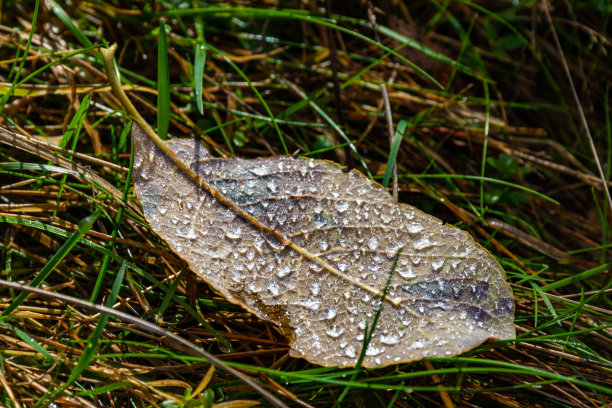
[[446, 295]]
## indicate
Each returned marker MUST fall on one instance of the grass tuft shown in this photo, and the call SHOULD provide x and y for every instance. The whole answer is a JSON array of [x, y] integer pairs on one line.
[[491, 141]]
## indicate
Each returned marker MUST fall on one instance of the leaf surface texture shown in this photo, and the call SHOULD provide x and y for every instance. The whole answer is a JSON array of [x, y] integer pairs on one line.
[[446, 295]]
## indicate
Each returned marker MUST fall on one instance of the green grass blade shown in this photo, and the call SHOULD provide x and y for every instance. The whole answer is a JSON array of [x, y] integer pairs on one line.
[[397, 140], [14, 83], [84, 226], [73, 131], [485, 142], [65, 18], [487, 179], [199, 63], [103, 389], [546, 300], [75, 124], [369, 332], [116, 224], [198, 73], [163, 84], [575, 278], [29, 340], [170, 294]]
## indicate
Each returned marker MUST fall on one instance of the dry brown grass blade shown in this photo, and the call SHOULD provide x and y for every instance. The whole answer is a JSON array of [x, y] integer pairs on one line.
[[583, 119]]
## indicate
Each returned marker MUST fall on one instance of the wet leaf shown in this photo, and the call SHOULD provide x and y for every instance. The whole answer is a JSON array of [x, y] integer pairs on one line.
[[447, 294]]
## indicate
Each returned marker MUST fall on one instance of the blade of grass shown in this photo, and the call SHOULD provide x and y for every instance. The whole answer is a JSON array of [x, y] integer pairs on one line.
[[369, 332], [163, 84], [73, 131], [546, 300], [397, 140], [103, 389], [65, 18], [485, 142], [84, 227], [478, 178], [14, 83], [116, 224], [575, 278], [199, 51], [29, 340], [605, 226], [170, 293]]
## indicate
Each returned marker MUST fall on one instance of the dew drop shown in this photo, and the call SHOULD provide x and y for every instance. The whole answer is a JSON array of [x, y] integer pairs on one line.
[[414, 228], [252, 288], [274, 288], [330, 313], [234, 233], [315, 266], [283, 271], [386, 217], [237, 276], [342, 206], [334, 332], [437, 264], [342, 266], [407, 273], [423, 243], [272, 186], [350, 352], [312, 303], [389, 339], [416, 345], [275, 244], [260, 244], [260, 170], [373, 243], [374, 351], [315, 288], [188, 233], [323, 245]]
